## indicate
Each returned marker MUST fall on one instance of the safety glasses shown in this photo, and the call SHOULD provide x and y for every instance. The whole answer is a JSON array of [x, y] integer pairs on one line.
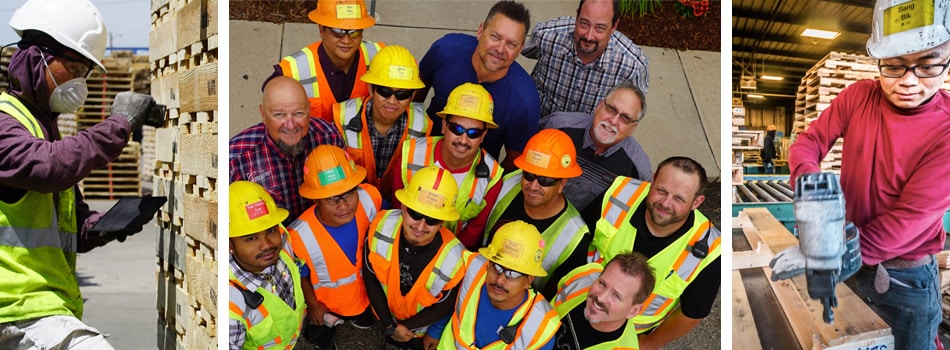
[[419, 216], [401, 95], [458, 130], [78, 68], [352, 33], [336, 200], [544, 181], [509, 274]]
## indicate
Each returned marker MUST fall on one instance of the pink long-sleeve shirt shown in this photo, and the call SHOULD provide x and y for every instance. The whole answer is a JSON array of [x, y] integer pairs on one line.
[[895, 168]]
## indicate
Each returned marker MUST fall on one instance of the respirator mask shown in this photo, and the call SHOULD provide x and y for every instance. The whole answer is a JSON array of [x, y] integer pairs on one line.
[[69, 96]]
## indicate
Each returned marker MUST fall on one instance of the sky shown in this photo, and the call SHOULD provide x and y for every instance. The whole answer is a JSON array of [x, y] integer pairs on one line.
[[128, 21]]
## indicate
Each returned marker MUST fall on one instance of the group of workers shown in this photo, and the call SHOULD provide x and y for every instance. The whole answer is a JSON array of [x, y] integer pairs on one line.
[[502, 215]]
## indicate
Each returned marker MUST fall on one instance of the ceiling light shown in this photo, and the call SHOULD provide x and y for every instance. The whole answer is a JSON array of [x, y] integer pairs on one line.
[[754, 96], [772, 77], [820, 34]]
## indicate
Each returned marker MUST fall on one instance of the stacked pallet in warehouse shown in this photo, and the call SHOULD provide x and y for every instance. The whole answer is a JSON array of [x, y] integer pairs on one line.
[[120, 178], [183, 59]]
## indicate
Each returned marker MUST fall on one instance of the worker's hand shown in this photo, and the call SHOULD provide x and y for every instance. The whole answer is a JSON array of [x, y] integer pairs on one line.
[[429, 343], [133, 106], [128, 231], [402, 334], [787, 263], [315, 313]]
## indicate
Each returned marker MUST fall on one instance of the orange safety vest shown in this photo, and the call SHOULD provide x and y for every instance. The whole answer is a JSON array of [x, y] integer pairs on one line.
[[305, 67], [350, 119], [336, 282]]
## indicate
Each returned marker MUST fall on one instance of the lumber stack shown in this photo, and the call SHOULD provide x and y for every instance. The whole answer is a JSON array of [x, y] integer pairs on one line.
[[183, 55], [943, 264]]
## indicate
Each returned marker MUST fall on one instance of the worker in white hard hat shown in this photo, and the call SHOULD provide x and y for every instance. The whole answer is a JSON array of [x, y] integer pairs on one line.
[[44, 221], [894, 170]]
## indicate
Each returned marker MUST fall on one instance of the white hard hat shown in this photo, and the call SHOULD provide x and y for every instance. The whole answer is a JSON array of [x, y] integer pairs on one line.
[[76, 24], [903, 27]]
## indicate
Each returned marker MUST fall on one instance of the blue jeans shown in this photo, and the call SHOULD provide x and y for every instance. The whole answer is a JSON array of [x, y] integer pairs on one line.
[[913, 313]]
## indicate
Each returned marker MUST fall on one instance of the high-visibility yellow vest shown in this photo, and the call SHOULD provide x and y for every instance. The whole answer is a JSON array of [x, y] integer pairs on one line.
[[676, 266], [572, 292], [420, 153], [336, 282], [305, 67], [560, 239], [538, 320], [443, 273], [350, 119], [38, 243], [273, 324]]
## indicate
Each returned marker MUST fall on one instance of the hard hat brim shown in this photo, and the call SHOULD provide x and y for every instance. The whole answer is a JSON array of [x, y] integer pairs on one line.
[[572, 171], [348, 24], [403, 196], [279, 215], [491, 255]]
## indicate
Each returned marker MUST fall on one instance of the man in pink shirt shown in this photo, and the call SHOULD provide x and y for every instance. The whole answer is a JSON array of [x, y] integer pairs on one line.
[[894, 168]]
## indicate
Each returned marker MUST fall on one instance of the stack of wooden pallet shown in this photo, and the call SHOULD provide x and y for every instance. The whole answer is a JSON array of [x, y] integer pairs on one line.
[[943, 263], [183, 56]]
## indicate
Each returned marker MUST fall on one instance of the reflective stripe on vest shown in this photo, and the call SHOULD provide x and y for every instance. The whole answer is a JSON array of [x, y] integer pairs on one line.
[[442, 274], [538, 319], [573, 293], [305, 67], [560, 238], [273, 324], [420, 153], [358, 143], [676, 262]]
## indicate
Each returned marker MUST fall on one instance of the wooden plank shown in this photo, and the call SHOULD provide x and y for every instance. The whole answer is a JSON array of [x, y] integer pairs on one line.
[[165, 90], [744, 335], [760, 255], [202, 154], [200, 278], [162, 38], [773, 326], [773, 233], [201, 221], [199, 88], [212, 26], [190, 18], [166, 144]]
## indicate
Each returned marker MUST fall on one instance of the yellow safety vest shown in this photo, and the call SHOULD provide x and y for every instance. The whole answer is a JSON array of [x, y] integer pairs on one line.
[[38, 243], [273, 324], [572, 292], [676, 266]]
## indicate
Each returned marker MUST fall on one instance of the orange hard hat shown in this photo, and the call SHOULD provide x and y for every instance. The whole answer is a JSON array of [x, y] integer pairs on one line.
[[550, 153], [342, 14], [329, 171]]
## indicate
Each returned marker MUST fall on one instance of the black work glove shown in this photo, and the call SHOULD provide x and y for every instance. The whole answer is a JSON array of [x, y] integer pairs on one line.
[[133, 106]]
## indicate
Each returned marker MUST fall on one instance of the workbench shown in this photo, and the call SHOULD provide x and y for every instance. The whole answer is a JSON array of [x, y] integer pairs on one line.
[[781, 315]]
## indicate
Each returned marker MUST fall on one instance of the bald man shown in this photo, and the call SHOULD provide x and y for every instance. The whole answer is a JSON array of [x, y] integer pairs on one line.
[[272, 153]]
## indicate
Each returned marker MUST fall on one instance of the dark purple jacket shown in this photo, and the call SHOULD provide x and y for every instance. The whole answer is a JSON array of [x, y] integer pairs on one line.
[[52, 164]]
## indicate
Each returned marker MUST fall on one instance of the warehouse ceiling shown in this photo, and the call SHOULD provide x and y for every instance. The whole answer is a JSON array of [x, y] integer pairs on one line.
[[766, 40]]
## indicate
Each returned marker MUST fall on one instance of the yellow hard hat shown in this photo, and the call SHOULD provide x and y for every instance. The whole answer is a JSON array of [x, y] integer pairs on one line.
[[342, 14], [251, 209], [471, 101], [431, 192], [517, 245], [550, 153], [395, 67], [329, 171]]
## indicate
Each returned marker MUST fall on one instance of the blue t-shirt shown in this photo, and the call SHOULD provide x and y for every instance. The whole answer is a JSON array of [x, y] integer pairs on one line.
[[347, 237], [490, 320], [448, 64]]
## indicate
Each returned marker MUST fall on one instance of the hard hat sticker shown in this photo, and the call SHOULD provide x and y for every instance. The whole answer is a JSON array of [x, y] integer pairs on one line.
[[511, 248], [909, 15], [537, 159], [468, 102], [566, 161], [430, 198], [256, 210], [348, 11], [400, 73], [331, 175]]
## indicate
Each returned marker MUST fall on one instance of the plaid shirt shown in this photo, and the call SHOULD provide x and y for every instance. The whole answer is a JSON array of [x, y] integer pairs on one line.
[[255, 157], [384, 145], [284, 288], [567, 85]]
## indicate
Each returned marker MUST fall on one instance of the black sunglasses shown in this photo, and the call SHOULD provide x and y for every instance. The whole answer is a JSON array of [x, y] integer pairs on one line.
[[508, 273], [401, 95], [419, 216], [544, 181], [458, 130]]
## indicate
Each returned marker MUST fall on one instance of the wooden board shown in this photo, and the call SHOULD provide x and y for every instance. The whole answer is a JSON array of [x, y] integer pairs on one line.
[[744, 334], [759, 255], [199, 88]]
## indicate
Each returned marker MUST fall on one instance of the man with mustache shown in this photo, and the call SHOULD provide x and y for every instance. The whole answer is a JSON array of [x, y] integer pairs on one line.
[[660, 221], [604, 142], [413, 265], [374, 126], [272, 153], [580, 58], [329, 68], [596, 303], [266, 302], [533, 194], [488, 59], [467, 118], [496, 306], [329, 238]]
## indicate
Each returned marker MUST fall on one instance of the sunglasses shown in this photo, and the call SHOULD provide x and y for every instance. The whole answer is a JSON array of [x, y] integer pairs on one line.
[[544, 181], [458, 130], [401, 95], [419, 216], [509, 274], [352, 33]]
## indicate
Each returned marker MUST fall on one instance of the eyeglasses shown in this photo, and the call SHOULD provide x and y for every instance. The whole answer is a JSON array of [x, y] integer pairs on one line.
[[544, 181], [419, 216], [920, 70], [352, 33], [335, 200], [508, 273], [612, 110], [78, 68], [401, 95], [472, 133]]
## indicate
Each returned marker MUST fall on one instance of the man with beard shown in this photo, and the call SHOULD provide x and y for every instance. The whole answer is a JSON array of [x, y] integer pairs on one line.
[[605, 147], [596, 302], [272, 153], [488, 58], [660, 221], [579, 59]]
